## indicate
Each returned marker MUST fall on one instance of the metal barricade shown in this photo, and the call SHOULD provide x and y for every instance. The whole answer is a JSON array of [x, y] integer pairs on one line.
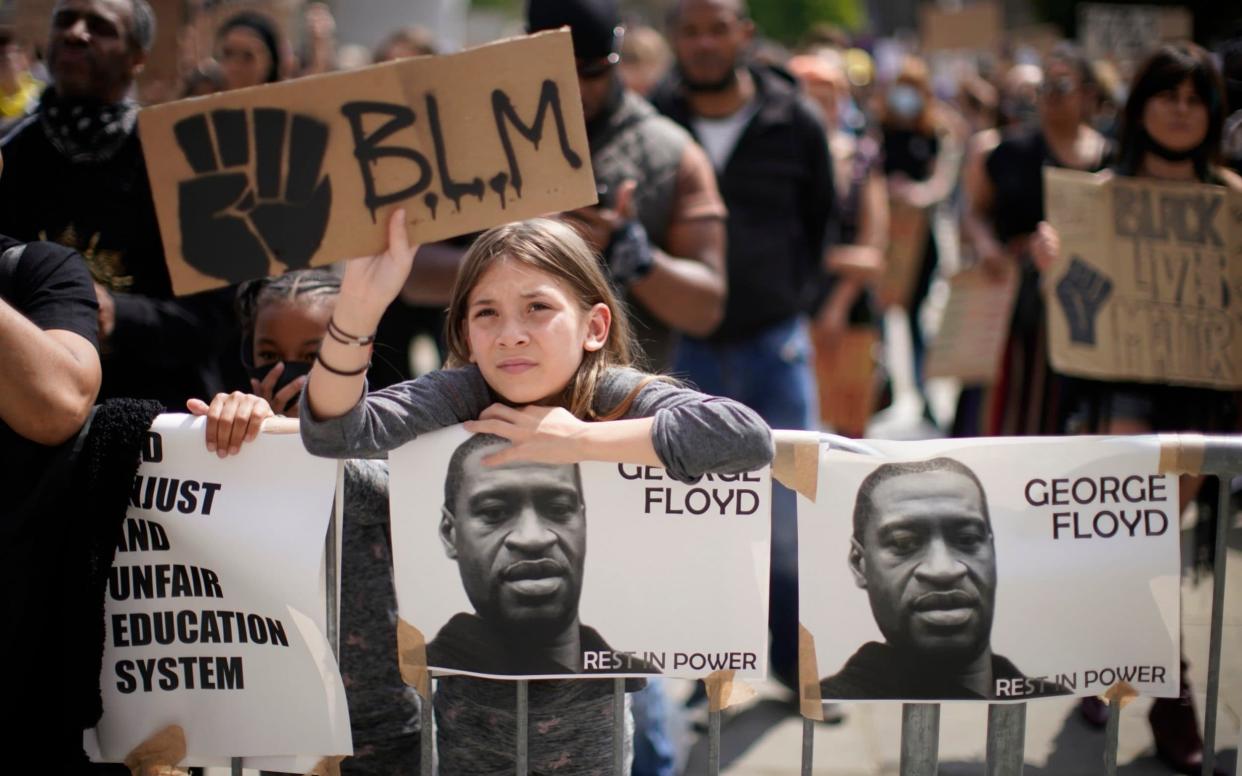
[[920, 728]]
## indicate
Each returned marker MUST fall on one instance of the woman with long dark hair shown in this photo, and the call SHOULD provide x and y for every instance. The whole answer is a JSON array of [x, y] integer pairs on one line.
[[1171, 131]]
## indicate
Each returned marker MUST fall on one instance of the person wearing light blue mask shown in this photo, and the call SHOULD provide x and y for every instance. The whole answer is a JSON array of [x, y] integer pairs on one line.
[[922, 148]]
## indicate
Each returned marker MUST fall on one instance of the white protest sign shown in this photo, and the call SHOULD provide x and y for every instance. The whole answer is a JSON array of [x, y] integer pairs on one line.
[[1127, 33], [215, 613], [637, 573], [998, 569]]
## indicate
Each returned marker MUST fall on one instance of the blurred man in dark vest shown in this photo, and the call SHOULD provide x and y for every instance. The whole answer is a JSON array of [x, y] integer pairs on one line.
[[659, 225]]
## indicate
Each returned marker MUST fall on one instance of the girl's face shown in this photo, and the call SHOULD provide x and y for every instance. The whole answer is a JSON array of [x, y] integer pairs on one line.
[[527, 332], [290, 331], [1176, 118], [244, 58]]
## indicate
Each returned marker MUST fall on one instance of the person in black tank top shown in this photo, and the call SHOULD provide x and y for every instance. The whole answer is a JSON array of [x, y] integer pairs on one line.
[[1006, 205]]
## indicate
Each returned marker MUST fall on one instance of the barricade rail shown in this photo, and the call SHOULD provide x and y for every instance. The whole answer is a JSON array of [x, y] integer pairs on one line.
[[920, 722]]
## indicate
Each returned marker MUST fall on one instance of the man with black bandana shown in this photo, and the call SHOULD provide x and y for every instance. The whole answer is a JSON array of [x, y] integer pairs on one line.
[[660, 221], [76, 176], [923, 550]]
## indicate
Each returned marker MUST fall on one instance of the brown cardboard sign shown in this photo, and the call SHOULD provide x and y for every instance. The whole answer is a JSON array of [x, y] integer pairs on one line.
[[1126, 33], [908, 236], [845, 374], [32, 22], [1149, 283], [974, 328], [304, 173], [974, 26]]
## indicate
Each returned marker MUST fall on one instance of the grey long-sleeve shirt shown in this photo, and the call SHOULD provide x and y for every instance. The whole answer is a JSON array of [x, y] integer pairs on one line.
[[693, 433]]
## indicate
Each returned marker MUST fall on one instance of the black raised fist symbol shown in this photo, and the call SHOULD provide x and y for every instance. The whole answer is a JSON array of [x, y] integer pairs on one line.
[[244, 209], [1082, 293]]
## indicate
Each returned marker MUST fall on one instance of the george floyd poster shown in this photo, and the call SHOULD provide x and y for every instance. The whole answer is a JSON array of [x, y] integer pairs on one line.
[[989, 570], [543, 571]]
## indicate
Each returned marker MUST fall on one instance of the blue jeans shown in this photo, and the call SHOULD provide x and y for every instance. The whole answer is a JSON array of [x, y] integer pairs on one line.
[[654, 750], [771, 372]]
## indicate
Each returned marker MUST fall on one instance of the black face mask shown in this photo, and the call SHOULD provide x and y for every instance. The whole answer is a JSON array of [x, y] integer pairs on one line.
[[1168, 154], [293, 370]]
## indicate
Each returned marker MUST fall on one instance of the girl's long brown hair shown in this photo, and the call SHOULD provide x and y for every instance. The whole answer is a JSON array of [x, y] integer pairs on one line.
[[550, 246]]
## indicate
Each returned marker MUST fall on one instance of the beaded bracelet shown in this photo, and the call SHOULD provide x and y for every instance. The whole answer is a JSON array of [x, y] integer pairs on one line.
[[345, 338], [343, 372]]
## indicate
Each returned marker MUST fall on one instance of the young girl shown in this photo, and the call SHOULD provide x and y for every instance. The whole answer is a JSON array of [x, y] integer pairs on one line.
[[539, 354], [283, 321]]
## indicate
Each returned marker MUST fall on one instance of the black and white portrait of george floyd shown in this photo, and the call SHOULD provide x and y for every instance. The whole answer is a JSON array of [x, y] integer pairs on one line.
[[492, 566], [991, 569]]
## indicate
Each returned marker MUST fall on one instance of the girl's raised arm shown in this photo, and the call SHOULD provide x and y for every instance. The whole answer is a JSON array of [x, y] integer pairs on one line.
[[370, 284]]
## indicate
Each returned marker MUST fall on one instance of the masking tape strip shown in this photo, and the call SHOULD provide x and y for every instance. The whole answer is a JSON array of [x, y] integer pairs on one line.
[[724, 691], [327, 766], [161, 751], [812, 704], [796, 463], [1182, 453], [1121, 693], [279, 425], [412, 658]]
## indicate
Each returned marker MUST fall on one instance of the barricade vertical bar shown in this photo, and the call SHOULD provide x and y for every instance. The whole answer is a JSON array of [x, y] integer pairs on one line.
[[523, 711], [1111, 736], [713, 743], [330, 560], [808, 746], [1224, 517], [1006, 739], [618, 726], [920, 739], [426, 735]]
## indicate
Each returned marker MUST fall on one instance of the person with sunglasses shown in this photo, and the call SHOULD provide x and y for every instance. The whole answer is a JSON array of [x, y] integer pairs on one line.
[[1005, 205], [659, 223]]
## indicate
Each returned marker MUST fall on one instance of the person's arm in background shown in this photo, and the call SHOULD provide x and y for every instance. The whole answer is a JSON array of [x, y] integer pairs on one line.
[[945, 170], [977, 213], [49, 378], [685, 287], [687, 284], [858, 264]]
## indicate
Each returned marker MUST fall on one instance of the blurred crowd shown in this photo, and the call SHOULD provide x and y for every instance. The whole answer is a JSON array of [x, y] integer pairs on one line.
[[767, 212]]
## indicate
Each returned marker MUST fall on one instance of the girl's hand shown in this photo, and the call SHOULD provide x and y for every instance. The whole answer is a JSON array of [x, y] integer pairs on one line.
[[232, 418], [538, 434], [371, 283], [285, 401], [1045, 246]]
